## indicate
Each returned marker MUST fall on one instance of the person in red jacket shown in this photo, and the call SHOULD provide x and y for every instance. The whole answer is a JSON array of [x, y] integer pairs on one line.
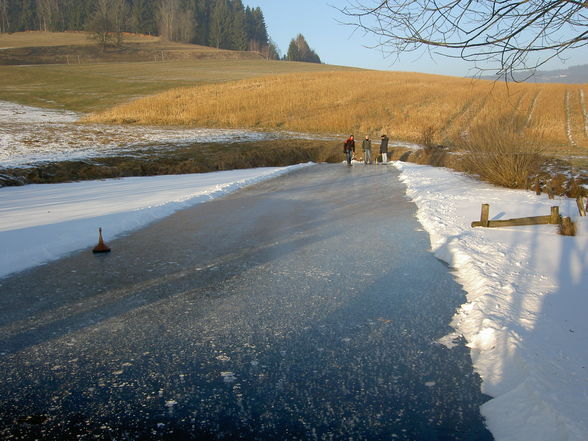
[[349, 149]]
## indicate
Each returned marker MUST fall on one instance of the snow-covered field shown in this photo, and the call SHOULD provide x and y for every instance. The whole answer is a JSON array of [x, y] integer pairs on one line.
[[29, 135], [527, 290]]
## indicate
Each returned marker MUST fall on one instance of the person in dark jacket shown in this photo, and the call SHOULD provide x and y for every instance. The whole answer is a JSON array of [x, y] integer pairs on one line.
[[349, 149], [384, 149], [366, 145]]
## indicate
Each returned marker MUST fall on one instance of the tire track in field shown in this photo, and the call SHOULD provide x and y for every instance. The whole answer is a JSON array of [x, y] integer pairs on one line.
[[584, 112], [532, 108], [569, 120], [467, 113]]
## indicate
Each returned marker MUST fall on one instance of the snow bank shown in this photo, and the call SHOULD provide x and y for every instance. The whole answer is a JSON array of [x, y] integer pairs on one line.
[[527, 291], [43, 222]]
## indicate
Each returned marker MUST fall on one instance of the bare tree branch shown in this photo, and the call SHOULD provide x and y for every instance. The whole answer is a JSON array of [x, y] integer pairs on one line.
[[517, 35]]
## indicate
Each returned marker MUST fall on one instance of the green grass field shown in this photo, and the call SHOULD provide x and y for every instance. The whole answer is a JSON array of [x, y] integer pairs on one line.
[[113, 79], [92, 87]]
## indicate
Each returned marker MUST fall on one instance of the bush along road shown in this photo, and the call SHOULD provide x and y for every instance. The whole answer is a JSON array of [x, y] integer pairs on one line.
[[304, 307]]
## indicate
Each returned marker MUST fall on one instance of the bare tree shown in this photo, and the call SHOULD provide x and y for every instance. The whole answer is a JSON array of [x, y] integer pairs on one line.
[[4, 23], [168, 13], [108, 22], [49, 14], [515, 34], [175, 23], [186, 25]]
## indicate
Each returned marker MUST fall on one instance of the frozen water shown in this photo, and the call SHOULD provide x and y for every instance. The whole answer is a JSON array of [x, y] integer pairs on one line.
[[30, 135]]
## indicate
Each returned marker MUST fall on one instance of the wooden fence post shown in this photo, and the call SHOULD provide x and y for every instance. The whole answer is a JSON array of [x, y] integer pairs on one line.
[[555, 219], [581, 205], [485, 215]]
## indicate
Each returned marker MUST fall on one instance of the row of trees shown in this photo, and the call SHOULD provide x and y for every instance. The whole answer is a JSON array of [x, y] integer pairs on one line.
[[224, 24]]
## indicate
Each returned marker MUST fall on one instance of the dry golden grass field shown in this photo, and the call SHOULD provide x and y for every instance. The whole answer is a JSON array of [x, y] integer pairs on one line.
[[408, 106]]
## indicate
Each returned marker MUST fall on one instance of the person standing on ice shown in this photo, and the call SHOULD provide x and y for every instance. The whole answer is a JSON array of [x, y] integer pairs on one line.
[[384, 149], [349, 149], [366, 145]]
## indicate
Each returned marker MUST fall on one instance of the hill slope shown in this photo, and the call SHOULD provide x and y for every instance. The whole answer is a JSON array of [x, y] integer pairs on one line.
[[77, 48], [67, 71]]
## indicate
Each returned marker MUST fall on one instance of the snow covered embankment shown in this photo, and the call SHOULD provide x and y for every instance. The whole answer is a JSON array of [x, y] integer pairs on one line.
[[527, 291], [43, 222]]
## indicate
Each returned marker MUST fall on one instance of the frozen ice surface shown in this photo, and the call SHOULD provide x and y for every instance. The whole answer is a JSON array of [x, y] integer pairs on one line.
[[30, 135]]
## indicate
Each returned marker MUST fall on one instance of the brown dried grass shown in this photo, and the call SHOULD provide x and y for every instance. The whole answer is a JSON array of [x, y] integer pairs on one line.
[[502, 152], [408, 106]]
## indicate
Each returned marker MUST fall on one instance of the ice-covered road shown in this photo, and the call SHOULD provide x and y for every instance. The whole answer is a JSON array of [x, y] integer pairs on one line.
[[304, 307]]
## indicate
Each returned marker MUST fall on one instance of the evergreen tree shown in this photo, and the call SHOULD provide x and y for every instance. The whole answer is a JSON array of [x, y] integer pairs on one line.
[[220, 22], [202, 11], [298, 50], [239, 39], [76, 13], [27, 20], [143, 19], [256, 29]]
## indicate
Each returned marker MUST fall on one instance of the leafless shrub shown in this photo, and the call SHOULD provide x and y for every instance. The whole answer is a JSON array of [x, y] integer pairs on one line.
[[567, 227], [501, 152], [558, 184], [574, 188], [428, 136]]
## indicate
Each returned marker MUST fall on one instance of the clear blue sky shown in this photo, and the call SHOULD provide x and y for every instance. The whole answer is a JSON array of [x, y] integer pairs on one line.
[[339, 44]]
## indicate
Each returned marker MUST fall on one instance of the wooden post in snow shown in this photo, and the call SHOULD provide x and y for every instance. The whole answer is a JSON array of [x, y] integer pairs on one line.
[[555, 218], [485, 215], [581, 205]]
